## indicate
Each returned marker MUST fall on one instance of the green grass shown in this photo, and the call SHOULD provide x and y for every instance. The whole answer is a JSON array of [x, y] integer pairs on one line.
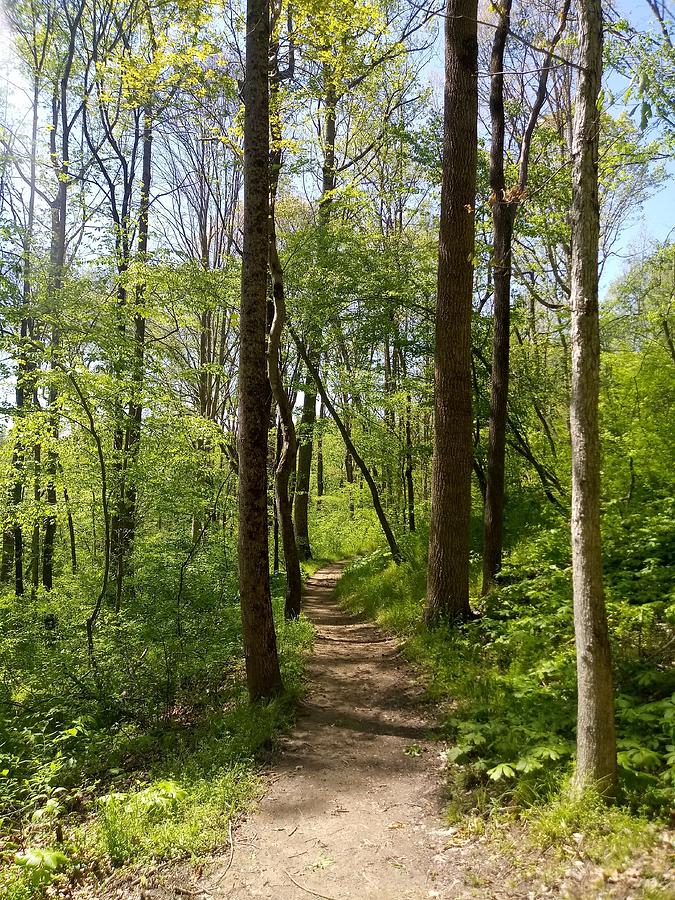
[[158, 792]]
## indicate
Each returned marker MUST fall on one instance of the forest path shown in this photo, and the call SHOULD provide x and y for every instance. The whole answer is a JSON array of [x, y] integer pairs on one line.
[[355, 807]]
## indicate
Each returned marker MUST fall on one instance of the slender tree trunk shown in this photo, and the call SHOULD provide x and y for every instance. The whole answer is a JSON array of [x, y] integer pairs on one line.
[[287, 450], [25, 365], [35, 539], [275, 528], [596, 738], [448, 572], [57, 262], [260, 648], [132, 440], [7, 554], [367, 476], [71, 532], [320, 477], [505, 204], [289, 443], [308, 417], [304, 469], [410, 484], [503, 211]]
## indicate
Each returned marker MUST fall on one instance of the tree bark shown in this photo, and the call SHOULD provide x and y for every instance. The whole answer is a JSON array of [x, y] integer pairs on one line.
[[260, 648], [448, 572], [503, 213], [289, 445], [596, 764]]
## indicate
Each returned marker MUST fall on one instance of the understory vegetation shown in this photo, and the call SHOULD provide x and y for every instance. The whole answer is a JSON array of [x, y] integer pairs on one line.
[[284, 282], [151, 768], [505, 683]]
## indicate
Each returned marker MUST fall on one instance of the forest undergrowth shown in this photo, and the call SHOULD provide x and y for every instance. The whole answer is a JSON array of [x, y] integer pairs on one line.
[[152, 767], [505, 687]]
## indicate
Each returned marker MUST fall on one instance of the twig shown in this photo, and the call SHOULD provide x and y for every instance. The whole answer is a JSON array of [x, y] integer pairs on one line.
[[308, 890], [229, 862]]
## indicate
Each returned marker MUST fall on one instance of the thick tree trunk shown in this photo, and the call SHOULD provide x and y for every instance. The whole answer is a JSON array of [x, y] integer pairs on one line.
[[260, 648], [448, 572], [596, 739]]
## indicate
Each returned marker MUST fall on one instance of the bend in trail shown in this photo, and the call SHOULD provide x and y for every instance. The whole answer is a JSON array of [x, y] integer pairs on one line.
[[355, 807], [355, 810]]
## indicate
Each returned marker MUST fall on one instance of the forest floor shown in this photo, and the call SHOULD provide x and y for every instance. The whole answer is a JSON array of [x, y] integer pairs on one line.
[[354, 805]]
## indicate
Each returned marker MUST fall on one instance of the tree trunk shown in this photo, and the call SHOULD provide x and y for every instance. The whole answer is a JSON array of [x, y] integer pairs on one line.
[[7, 555], [286, 462], [132, 440], [320, 477], [56, 264], [260, 648], [287, 449], [368, 478], [71, 532], [596, 738], [448, 572], [303, 472], [503, 211]]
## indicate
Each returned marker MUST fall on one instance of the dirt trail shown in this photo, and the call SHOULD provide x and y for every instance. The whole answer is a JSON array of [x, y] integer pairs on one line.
[[355, 806], [355, 809]]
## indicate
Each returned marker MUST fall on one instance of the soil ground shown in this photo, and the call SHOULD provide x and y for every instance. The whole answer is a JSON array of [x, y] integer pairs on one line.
[[354, 807]]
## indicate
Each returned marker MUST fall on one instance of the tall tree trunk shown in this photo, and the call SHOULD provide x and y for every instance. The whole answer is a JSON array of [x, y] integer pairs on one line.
[[56, 265], [596, 737], [7, 554], [260, 648], [132, 440], [308, 417], [286, 462], [505, 204], [410, 484], [25, 364], [448, 572], [71, 531], [288, 448], [503, 211]]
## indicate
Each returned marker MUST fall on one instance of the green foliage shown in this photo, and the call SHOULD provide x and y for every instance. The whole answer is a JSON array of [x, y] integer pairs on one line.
[[124, 783], [607, 836], [506, 682]]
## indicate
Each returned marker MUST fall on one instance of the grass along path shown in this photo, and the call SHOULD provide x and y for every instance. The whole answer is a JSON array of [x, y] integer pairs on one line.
[[354, 806]]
